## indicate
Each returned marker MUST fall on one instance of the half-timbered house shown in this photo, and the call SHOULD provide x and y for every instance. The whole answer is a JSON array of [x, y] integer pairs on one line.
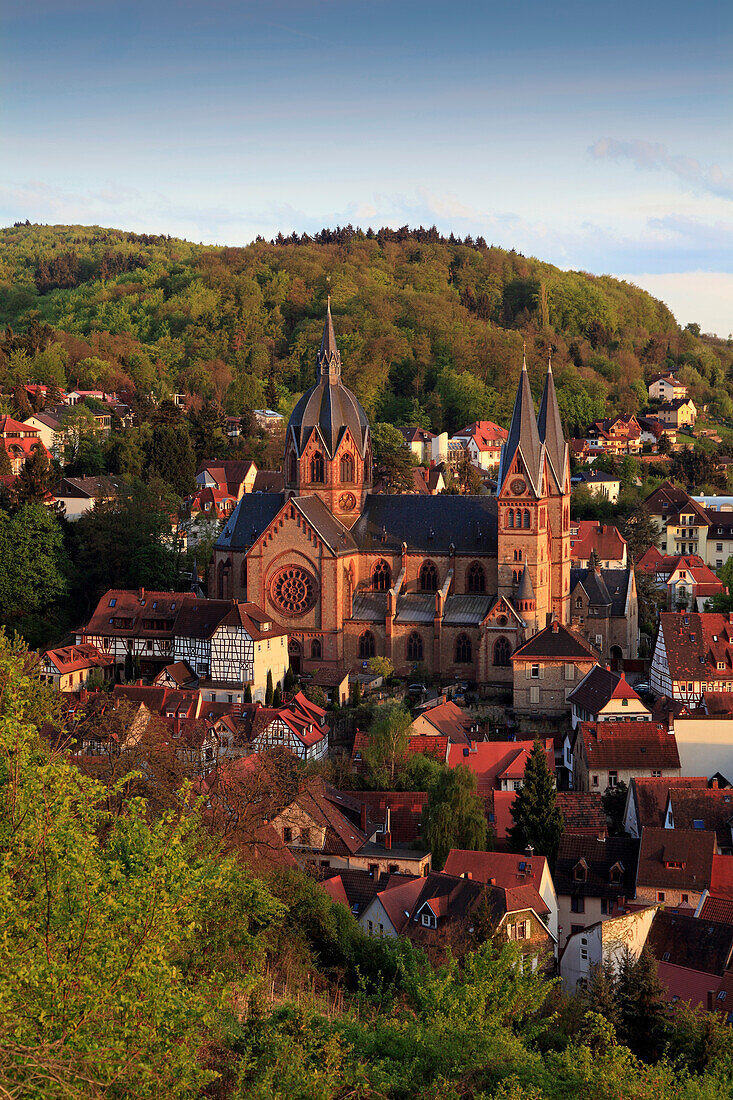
[[138, 623]]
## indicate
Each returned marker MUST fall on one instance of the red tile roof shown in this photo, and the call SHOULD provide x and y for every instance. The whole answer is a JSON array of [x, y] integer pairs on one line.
[[604, 540], [721, 883], [499, 868], [500, 805], [489, 760], [627, 745], [696, 643], [718, 909], [405, 807], [663, 849], [72, 658], [582, 812], [130, 613], [334, 887], [711, 806], [650, 796], [450, 721]]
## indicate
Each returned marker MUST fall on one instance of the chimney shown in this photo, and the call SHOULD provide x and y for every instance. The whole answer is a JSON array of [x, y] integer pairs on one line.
[[555, 626], [492, 882], [363, 818], [388, 841], [529, 850]]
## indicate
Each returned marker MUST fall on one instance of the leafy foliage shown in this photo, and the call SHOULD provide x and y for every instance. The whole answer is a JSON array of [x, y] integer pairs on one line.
[[454, 815]]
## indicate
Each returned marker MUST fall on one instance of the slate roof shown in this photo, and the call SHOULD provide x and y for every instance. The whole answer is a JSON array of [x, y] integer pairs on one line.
[[249, 519], [600, 856], [605, 587], [695, 849], [415, 607], [429, 524], [449, 898], [333, 533], [466, 610], [598, 687], [550, 430], [360, 886], [523, 435], [582, 812], [368, 606], [692, 942], [89, 488], [650, 796], [556, 642]]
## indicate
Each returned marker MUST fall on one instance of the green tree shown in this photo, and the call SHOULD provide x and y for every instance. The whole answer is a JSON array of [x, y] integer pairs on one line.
[[32, 563], [381, 666], [454, 815], [269, 692], [643, 1007], [277, 696], [392, 460], [248, 693], [537, 818], [640, 531], [614, 804], [356, 694], [6, 468], [171, 457], [388, 739]]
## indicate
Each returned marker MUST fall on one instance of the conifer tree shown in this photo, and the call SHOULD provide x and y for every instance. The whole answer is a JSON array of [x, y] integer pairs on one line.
[[269, 689], [248, 694], [537, 818], [5, 465], [277, 696], [356, 694], [289, 681], [643, 1006]]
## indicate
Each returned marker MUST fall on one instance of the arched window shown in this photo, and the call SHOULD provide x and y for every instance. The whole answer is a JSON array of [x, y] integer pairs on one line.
[[525, 518], [510, 518], [502, 652], [463, 649], [578, 601], [516, 576], [292, 468], [476, 578], [316, 649], [381, 576], [367, 647], [414, 647], [428, 577], [347, 469], [517, 555], [317, 469], [243, 575]]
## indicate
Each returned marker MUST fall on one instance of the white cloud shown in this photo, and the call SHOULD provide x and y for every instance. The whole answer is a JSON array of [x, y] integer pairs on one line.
[[705, 297], [653, 156]]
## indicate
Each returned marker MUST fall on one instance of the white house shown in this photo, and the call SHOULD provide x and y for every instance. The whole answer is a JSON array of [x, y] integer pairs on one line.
[[605, 943]]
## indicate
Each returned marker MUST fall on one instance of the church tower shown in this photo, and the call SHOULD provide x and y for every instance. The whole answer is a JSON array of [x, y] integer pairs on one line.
[[328, 450], [557, 476], [523, 521]]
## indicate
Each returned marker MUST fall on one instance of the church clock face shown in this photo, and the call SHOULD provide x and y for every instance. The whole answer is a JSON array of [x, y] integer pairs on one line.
[[518, 487], [347, 501], [293, 590]]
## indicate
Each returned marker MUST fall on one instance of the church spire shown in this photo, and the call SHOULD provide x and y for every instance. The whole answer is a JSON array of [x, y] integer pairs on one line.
[[329, 358], [550, 429], [523, 435]]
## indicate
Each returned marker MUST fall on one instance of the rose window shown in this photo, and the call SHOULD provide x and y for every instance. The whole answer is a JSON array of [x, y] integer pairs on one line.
[[293, 590]]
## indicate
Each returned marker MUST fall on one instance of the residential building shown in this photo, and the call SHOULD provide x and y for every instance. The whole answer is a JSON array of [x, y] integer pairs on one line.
[[608, 943], [419, 442], [603, 696], [693, 957], [678, 413], [20, 442], [483, 440], [594, 878], [593, 543], [691, 584], [446, 719], [268, 419], [507, 870], [547, 668], [665, 387], [719, 543], [605, 610], [69, 667], [298, 725], [497, 765], [397, 813], [705, 744], [599, 484], [139, 623], [608, 753], [675, 866], [646, 800], [78, 495], [693, 654], [698, 808], [617, 435]]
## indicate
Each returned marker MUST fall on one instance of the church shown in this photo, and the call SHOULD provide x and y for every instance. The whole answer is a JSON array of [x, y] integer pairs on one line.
[[448, 584]]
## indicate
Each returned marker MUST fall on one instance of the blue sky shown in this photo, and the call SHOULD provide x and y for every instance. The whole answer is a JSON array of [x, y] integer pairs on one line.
[[593, 136]]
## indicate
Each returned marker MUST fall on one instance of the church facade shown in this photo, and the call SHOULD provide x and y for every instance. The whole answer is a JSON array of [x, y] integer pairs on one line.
[[449, 584]]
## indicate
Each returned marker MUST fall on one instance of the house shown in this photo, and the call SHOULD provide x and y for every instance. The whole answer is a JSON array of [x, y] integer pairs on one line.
[[675, 866], [646, 800], [599, 484], [387, 913], [319, 827], [69, 667], [678, 413], [49, 425], [419, 442], [230, 645], [604, 609], [445, 719], [617, 435], [693, 956], [594, 878], [691, 584], [547, 667], [702, 808], [20, 442], [508, 870], [603, 696], [607, 943], [268, 419], [693, 653], [356, 889], [298, 725], [608, 753], [398, 813], [430, 481], [705, 743], [719, 543], [686, 532], [233, 475], [135, 623], [165, 702], [483, 440], [602, 542], [78, 495], [665, 387], [497, 765]]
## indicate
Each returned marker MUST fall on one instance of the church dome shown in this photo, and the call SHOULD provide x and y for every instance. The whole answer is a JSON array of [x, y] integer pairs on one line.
[[329, 405]]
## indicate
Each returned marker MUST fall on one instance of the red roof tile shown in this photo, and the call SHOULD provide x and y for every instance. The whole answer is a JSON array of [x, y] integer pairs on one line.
[[489, 760], [499, 868]]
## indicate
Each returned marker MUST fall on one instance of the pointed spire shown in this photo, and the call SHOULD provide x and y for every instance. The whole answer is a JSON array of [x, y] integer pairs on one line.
[[525, 590], [550, 428], [523, 434], [329, 359]]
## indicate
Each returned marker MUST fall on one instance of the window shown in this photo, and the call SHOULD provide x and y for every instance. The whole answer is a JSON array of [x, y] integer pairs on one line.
[[525, 518], [370, 927], [381, 576], [577, 905], [576, 928], [613, 779], [685, 899], [605, 907], [287, 834], [534, 672], [315, 649], [476, 578], [367, 648], [578, 602], [584, 949], [292, 468], [428, 577], [113, 601], [660, 895], [347, 468], [580, 871], [318, 474], [502, 652], [570, 672], [463, 649], [656, 774], [510, 518], [428, 920], [523, 930], [594, 780], [414, 647]]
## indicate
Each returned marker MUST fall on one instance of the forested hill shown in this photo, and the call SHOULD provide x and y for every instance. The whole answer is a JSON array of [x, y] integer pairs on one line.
[[430, 329]]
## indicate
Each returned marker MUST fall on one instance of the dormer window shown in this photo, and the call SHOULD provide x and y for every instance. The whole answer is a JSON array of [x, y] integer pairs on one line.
[[428, 919], [674, 864], [616, 873], [113, 601], [580, 871]]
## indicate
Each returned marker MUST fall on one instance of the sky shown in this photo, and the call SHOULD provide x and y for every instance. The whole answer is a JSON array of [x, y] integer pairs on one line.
[[594, 136]]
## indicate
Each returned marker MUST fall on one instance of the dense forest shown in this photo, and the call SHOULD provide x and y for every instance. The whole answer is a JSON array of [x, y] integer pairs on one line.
[[430, 329]]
